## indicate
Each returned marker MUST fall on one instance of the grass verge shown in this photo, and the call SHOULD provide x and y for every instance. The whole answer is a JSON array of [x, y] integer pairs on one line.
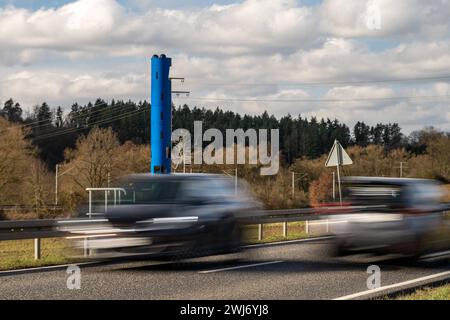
[[19, 254], [435, 293], [274, 232]]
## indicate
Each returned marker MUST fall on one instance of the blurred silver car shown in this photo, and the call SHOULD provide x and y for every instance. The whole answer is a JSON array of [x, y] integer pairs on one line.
[[176, 215], [392, 215]]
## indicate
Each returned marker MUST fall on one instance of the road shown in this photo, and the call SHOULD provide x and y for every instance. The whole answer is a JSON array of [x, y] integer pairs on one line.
[[299, 270]]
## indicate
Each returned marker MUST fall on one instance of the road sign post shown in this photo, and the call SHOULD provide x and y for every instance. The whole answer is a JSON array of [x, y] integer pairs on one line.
[[338, 157], [339, 185]]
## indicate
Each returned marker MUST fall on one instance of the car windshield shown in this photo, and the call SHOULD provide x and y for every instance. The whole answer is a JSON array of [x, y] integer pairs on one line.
[[210, 189], [147, 192]]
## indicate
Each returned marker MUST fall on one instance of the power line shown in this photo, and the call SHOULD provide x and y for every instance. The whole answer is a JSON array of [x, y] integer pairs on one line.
[[46, 119], [317, 100], [35, 124], [107, 112], [72, 130], [87, 113], [319, 83]]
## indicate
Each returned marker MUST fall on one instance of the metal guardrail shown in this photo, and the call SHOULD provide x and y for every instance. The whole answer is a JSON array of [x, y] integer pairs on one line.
[[38, 229], [50, 228], [31, 229]]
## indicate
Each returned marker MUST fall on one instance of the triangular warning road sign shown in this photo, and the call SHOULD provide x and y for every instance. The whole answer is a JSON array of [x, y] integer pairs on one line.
[[338, 156]]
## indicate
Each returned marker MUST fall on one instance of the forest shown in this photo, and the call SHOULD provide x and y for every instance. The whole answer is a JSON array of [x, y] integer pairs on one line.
[[95, 143], [299, 137]]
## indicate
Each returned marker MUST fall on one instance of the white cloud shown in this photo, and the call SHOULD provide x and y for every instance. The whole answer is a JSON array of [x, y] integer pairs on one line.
[[103, 26], [75, 25], [223, 49], [250, 27], [409, 18], [30, 88]]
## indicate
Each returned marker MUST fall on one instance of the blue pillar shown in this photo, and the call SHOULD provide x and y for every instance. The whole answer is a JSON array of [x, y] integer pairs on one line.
[[161, 115]]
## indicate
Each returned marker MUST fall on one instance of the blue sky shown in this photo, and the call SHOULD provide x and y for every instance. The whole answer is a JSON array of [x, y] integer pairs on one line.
[[64, 51]]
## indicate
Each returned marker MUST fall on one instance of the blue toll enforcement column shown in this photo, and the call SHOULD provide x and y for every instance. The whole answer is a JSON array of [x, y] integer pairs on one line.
[[161, 115]]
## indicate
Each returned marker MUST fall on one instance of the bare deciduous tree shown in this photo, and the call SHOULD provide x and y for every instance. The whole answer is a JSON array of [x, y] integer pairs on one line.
[[94, 158], [15, 157]]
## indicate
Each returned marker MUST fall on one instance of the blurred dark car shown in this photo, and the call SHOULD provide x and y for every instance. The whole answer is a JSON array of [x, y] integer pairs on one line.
[[176, 215], [392, 215]]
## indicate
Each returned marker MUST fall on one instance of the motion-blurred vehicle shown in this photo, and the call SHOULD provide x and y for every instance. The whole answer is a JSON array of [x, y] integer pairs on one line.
[[392, 216], [176, 215]]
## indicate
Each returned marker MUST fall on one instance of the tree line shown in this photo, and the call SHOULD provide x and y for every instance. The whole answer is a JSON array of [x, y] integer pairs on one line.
[[95, 144], [52, 130]]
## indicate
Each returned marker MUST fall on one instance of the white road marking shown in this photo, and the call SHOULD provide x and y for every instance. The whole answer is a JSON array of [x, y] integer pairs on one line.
[[241, 267], [59, 266], [436, 254], [12, 271], [395, 285]]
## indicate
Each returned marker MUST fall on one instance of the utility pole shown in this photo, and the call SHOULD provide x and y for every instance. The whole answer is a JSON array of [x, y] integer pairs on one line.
[[184, 161], [235, 178], [401, 167], [302, 177], [235, 181], [293, 184], [56, 185], [57, 175]]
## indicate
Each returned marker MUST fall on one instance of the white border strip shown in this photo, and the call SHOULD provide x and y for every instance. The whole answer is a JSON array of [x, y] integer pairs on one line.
[[395, 285], [44, 268], [241, 267]]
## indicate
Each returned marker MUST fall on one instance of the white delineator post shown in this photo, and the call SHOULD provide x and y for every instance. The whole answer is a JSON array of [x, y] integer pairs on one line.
[[37, 249]]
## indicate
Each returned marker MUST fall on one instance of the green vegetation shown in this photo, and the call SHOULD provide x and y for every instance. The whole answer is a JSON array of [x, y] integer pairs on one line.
[[20, 253], [274, 232], [94, 145], [438, 293]]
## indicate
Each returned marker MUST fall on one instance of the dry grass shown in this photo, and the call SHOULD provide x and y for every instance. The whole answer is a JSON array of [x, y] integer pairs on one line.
[[20, 253], [274, 232], [438, 293]]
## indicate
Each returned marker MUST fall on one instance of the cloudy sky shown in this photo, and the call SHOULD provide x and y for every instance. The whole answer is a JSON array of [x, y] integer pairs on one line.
[[370, 60]]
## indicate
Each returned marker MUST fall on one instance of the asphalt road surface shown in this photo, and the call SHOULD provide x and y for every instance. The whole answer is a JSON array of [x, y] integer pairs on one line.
[[298, 270]]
